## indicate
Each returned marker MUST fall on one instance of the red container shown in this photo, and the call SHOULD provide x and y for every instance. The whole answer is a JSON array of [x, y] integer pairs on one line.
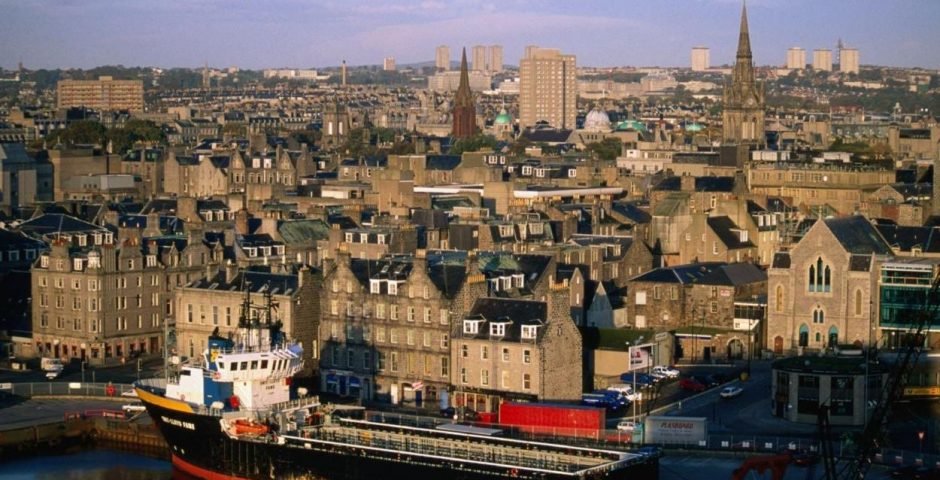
[[554, 419]]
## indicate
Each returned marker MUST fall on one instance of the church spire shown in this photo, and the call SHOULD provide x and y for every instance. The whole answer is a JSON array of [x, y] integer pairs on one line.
[[744, 39], [463, 96], [464, 113]]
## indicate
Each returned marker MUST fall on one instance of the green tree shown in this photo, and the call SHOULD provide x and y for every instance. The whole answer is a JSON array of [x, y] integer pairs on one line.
[[80, 132], [606, 149], [123, 138], [473, 144]]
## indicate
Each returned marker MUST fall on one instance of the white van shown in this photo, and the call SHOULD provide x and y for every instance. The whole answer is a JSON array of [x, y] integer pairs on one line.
[[626, 391]]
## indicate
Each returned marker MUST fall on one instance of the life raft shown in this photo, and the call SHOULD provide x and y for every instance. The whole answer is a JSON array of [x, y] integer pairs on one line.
[[247, 427]]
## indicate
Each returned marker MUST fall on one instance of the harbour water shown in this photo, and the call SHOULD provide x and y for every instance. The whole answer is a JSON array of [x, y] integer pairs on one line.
[[88, 465]]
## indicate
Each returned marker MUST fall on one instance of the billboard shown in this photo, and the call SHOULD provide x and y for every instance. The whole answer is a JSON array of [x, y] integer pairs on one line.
[[641, 356], [675, 430]]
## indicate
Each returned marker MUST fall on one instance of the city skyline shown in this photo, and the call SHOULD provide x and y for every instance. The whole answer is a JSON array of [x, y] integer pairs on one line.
[[297, 33]]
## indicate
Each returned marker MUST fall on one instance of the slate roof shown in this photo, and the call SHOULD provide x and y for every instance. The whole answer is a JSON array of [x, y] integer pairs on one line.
[[723, 226], [857, 235], [516, 312], [303, 231], [702, 184], [631, 211], [442, 162], [681, 274], [860, 263], [56, 223], [447, 278], [255, 281], [734, 274], [781, 260], [906, 238]]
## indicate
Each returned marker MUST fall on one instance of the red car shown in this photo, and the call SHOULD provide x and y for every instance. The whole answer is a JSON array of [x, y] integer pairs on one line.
[[691, 384]]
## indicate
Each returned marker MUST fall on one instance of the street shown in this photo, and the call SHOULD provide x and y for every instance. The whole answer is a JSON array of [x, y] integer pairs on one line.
[[126, 373]]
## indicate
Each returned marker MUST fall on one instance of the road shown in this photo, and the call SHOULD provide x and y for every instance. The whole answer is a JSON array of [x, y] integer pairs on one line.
[[709, 466], [73, 373], [41, 410]]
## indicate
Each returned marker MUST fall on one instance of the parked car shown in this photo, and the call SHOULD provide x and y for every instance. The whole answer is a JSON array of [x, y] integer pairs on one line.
[[731, 392], [707, 380], [626, 391], [668, 372], [468, 413], [641, 379], [692, 384], [626, 426]]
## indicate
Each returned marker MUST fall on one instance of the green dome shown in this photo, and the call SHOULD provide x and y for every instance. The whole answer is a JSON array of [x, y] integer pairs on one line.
[[631, 125], [694, 127], [503, 118]]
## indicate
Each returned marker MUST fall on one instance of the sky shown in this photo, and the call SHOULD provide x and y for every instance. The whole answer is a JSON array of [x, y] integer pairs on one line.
[[318, 33]]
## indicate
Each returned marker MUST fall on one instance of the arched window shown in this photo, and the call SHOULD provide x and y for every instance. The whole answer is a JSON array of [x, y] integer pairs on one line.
[[820, 277], [858, 302], [818, 337], [819, 316], [804, 335], [779, 298], [833, 336]]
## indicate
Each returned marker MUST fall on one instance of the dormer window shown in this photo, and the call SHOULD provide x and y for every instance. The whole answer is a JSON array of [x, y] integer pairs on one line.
[[572, 173], [536, 228], [77, 264], [363, 238], [506, 283], [529, 331], [471, 327], [279, 249], [497, 329], [393, 288], [375, 286], [82, 240], [98, 239], [267, 251], [44, 261], [505, 230], [108, 239], [381, 240], [151, 260], [94, 261], [517, 280]]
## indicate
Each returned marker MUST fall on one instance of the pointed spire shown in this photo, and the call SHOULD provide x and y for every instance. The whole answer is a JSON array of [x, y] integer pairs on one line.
[[463, 96], [744, 40]]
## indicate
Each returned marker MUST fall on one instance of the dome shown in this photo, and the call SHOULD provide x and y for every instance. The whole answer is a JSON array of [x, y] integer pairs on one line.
[[596, 120], [631, 125], [503, 118]]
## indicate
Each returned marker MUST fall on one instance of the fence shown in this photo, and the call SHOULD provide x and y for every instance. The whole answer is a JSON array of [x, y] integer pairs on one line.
[[116, 390]]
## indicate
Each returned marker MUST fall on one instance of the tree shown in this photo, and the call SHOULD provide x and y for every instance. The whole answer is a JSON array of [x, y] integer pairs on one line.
[[606, 149], [80, 133], [473, 144], [123, 138]]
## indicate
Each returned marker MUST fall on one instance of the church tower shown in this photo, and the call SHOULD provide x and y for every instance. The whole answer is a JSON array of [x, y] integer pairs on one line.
[[465, 113], [743, 116]]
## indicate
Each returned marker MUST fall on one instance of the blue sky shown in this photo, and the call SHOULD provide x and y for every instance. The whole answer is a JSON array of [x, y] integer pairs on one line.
[[316, 33]]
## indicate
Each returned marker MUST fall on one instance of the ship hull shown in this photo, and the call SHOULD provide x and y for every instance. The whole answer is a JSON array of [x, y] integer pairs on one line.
[[201, 449]]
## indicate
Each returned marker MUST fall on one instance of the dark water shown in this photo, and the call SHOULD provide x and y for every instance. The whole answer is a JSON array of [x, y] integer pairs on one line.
[[88, 465]]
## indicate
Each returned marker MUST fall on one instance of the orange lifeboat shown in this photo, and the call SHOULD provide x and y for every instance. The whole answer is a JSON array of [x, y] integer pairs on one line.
[[247, 427]]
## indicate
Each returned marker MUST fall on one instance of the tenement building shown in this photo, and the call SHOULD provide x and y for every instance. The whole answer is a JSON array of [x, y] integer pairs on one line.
[[106, 93]]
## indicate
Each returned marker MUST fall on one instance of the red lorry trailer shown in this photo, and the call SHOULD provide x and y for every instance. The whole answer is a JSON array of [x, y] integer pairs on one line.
[[554, 419]]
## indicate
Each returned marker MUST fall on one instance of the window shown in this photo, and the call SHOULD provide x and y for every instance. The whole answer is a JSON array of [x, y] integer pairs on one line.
[[858, 302], [445, 341], [380, 310], [375, 286], [393, 335], [427, 314], [426, 339], [334, 307], [526, 356], [228, 316], [380, 361], [529, 331], [366, 360], [445, 367], [393, 288], [189, 313], [484, 352], [350, 358], [410, 337], [464, 351], [471, 326], [819, 316], [526, 381], [484, 377], [444, 317], [411, 314], [393, 312], [380, 335], [804, 335], [504, 379], [808, 394], [820, 277], [833, 339], [778, 299], [463, 375], [505, 354], [497, 329]]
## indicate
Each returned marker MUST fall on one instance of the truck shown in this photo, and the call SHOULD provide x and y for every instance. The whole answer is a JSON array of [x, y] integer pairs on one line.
[[642, 379], [608, 399], [554, 419], [52, 366]]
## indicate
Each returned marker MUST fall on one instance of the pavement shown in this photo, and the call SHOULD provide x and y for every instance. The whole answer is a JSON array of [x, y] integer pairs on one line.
[[711, 466], [40, 410], [126, 373]]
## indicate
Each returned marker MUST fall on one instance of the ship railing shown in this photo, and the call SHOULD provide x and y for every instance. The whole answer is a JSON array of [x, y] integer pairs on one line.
[[256, 348], [261, 412], [467, 449]]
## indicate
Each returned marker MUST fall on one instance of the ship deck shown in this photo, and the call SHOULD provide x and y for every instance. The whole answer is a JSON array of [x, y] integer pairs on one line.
[[427, 445]]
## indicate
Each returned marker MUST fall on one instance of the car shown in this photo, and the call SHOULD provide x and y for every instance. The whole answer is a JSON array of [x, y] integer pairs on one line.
[[626, 391], [691, 384], [708, 381], [132, 408], [731, 392], [626, 426], [668, 372]]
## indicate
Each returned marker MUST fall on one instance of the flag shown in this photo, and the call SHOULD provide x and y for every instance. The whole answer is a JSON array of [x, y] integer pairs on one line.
[[417, 385]]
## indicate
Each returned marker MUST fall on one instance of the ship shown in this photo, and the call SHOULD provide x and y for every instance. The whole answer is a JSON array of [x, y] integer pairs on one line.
[[232, 414]]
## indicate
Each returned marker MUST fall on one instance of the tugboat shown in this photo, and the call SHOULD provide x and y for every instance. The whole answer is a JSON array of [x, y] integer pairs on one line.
[[231, 415]]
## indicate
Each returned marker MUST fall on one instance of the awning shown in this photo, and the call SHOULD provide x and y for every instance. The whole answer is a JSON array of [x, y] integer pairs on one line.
[[330, 378], [354, 382]]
